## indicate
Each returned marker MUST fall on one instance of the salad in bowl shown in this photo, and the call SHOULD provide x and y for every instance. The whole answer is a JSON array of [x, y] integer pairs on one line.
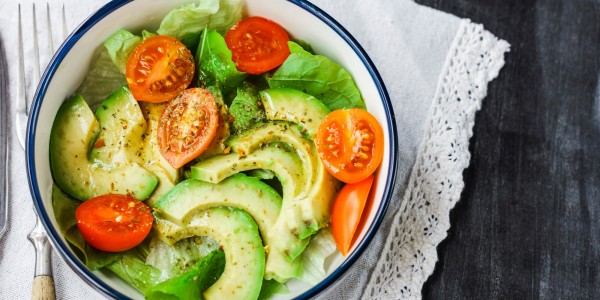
[[215, 152]]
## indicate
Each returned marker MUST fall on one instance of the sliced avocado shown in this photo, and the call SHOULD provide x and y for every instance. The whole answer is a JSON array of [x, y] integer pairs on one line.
[[238, 235], [286, 165], [73, 131], [294, 106], [122, 126], [312, 207], [276, 132], [150, 156], [240, 191], [217, 146], [303, 211]]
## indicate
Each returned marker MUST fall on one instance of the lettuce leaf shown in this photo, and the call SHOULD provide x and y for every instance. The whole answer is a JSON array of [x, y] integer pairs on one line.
[[133, 270], [119, 46], [187, 22], [321, 247], [317, 75], [177, 259], [101, 81]]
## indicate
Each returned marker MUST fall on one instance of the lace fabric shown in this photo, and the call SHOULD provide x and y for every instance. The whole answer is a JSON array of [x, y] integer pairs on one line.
[[409, 254]]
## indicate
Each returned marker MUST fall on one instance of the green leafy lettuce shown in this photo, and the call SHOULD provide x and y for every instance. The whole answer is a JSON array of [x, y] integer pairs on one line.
[[102, 80], [321, 247], [187, 22], [214, 63], [119, 46], [317, 75]]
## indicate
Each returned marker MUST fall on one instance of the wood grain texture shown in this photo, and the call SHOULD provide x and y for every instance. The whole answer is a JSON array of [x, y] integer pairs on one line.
[[43, 288], [528, 222]]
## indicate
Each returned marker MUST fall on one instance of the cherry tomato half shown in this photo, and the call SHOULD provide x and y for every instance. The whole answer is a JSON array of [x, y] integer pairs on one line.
[[113, 222], [350, 144], [187, 126], [257, 45], [346, 212], [159, 68]]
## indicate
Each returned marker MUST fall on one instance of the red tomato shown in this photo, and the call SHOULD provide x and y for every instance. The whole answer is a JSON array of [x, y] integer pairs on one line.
[[350, 144], [346, 212], [113, 222], [159, 68], [187, 126], [257, 45]]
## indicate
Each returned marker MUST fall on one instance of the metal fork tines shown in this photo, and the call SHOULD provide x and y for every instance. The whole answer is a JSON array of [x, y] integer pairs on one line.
[[43, 284]]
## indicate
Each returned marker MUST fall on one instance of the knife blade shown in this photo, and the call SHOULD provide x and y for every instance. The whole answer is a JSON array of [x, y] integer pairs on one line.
[[4, 152]]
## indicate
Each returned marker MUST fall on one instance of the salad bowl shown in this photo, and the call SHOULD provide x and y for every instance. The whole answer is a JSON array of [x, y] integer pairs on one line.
[[69, 65]]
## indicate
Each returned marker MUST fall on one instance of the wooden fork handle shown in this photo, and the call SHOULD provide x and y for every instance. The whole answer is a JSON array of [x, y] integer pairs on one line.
[[43, 288]]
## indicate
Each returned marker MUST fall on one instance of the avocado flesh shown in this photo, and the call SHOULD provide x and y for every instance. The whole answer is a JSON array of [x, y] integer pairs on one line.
[[303, 212], [239, 237], [129, 135], [149, 155], [289, 171], [73, 133], [294, 106], [192, 196], [122, 126], [285, 164], [311, 209]]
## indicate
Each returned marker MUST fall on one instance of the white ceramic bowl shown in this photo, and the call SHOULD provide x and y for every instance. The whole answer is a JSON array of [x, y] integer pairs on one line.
[[300, 18]]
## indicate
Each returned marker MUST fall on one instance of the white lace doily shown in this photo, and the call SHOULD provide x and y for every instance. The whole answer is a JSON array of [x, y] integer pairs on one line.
[[409, 254]]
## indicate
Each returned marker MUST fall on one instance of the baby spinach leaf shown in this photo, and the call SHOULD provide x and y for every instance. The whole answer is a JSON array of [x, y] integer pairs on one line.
[[318, 76], [214, 63]]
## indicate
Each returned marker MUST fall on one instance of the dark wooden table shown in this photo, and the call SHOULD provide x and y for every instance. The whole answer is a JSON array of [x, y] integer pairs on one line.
[[528, 223]]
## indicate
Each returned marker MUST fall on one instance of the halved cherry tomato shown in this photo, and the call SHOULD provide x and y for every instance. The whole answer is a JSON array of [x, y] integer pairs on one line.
[[187, 126], [159, 68], [346, 212], [350, 144], [257, 45], [113, 222]]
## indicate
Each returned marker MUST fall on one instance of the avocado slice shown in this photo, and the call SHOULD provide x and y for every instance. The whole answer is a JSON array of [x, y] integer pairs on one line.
[[191, 196], [307, 200], [286, 165], [149, 155], [122, 126], [238, 235], [73, 133], [313, 206], [294, 106]]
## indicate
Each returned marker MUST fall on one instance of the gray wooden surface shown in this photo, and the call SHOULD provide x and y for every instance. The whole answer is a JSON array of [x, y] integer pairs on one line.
[[528, 223]]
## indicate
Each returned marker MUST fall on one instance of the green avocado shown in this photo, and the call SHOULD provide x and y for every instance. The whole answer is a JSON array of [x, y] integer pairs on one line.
[[191, 196], [239, 237], [73, 134], [149, 155], [295, 106], [308, 189], [122, 126]]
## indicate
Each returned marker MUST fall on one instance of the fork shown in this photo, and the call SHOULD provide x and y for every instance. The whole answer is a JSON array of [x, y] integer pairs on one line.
[[43, 283]]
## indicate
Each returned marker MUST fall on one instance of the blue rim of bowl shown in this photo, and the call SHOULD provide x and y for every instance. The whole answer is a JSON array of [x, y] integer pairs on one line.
[[107, 290]]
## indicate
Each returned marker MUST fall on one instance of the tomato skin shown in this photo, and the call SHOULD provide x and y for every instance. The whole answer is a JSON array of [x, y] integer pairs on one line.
[[346, 212], [114, 223], [159, 68], [187, 126], [257, 45], [350, 144]]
